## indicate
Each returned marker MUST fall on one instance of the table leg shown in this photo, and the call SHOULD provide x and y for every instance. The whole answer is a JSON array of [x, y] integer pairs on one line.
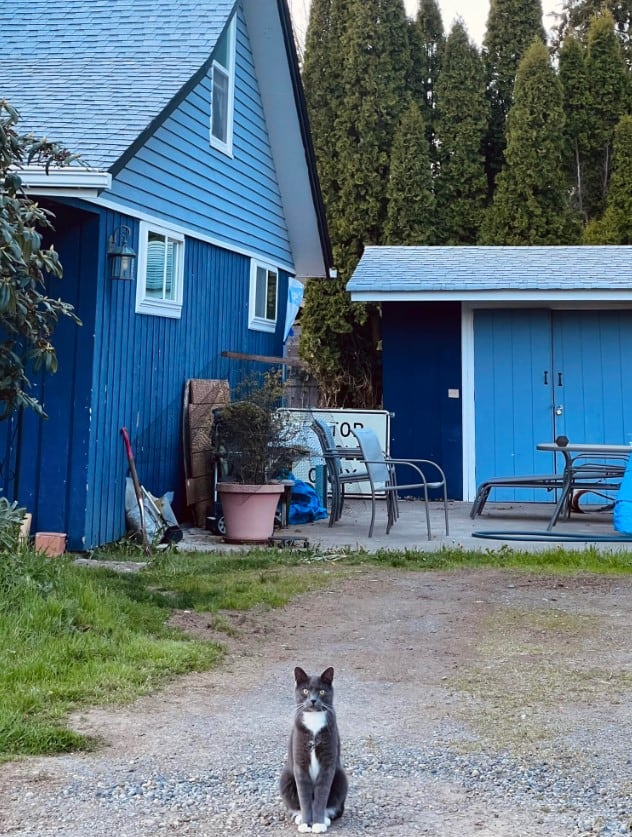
[[562, 503]]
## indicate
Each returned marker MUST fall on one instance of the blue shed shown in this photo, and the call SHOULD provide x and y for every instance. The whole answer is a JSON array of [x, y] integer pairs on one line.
[[488, 351], [191, 126]]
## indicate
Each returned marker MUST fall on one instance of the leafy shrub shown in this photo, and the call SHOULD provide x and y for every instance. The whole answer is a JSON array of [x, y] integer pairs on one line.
[[11, 517]]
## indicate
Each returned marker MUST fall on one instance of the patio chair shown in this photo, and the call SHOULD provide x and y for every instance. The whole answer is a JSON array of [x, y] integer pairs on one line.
[[336, 475], [382, 472]]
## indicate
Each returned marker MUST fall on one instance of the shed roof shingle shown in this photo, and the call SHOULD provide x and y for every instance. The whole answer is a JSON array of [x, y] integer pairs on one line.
[[402, 270]]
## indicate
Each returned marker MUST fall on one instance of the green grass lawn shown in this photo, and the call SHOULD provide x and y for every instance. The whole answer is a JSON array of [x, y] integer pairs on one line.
[[74, 636]]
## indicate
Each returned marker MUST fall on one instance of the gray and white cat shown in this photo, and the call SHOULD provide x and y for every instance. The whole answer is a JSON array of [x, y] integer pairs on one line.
[[313, 784]]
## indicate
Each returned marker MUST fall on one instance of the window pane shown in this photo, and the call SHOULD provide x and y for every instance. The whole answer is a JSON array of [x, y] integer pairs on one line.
[[155, 265], [219, 107], [221, 49], [260, 293], [170, 272], [271, 296], [162, 263]]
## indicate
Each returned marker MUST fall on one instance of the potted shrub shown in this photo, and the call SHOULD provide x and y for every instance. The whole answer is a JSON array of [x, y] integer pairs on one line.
[[254, 445]]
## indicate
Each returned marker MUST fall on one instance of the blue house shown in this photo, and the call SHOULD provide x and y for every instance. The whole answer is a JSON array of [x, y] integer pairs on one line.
[[488, 351], [191, 127]]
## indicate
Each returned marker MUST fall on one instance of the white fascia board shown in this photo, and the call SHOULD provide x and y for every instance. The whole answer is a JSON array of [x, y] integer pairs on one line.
[[81, 182], [506, 297], [288, 151]]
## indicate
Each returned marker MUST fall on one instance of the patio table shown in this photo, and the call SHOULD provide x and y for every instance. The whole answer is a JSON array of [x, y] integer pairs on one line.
[[584, 467]]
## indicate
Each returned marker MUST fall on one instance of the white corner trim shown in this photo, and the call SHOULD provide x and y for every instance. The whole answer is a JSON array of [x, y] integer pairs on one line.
[[35, 179], [467, 403]]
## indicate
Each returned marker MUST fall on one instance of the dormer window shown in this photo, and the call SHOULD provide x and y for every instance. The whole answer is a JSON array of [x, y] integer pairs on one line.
[[222, 90]]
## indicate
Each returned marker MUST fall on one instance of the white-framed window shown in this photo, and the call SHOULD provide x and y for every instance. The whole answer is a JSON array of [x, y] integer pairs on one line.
[[160, 277], [223, 90], [264, 297]]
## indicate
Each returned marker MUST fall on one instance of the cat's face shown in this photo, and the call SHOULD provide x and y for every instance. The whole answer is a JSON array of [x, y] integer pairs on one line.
[[313, 693]]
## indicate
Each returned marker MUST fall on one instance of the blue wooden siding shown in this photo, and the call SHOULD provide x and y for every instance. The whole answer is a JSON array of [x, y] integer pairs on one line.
[[125, 369], [179, 177], [422, 361], [143, 365], [47, 459]]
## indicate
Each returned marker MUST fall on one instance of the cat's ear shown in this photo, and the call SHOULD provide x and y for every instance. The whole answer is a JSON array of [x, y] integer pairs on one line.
[[328, 675], [300, 676]]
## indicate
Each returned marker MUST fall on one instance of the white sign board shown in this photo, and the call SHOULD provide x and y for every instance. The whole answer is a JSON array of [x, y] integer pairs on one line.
[[342, 423]]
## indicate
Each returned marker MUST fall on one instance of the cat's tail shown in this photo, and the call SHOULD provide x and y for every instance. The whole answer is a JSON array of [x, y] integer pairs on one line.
[[289, 792]]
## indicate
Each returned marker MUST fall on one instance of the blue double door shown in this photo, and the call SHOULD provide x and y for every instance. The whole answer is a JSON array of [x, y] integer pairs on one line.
[[542, 373]]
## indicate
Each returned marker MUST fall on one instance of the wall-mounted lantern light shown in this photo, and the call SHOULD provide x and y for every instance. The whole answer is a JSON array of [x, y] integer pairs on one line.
[[121, 256]]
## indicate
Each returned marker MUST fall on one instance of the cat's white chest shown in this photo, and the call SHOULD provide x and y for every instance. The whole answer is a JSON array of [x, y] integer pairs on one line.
[[314, 721]]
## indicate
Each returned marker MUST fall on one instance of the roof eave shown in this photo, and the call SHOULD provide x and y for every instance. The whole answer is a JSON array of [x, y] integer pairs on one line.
[[531, 295], [79, 182], [290, 137]]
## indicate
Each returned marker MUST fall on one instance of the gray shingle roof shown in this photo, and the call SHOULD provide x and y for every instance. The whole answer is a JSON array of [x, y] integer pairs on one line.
[[402, 270], [93, 74]]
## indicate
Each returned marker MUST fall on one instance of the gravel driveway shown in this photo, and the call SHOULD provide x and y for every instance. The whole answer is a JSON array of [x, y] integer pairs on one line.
[[469, 703]]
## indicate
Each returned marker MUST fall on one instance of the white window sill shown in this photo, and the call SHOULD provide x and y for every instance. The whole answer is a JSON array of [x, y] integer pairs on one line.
[[259, 324], [160, 308]]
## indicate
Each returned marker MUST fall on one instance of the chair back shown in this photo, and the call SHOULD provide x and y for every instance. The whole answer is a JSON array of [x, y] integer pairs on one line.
[[327, 443], [323, 431], [373, 456]]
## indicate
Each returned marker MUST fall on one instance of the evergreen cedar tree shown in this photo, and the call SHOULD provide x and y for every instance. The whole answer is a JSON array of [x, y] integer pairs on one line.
[[410, 216], [615, 227], [462, 120], [511, 26], [530, 205], [371, 76]]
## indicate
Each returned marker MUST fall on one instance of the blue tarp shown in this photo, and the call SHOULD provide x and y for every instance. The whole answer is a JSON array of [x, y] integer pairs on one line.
[[305, 507], [623, 504]]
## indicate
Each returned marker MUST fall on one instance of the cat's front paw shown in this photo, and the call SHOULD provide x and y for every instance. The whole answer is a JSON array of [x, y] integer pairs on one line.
[[304, 828], [319, 827]]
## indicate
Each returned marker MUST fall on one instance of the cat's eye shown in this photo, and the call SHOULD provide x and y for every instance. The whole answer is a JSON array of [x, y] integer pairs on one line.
[[322, 692], [305, 691]]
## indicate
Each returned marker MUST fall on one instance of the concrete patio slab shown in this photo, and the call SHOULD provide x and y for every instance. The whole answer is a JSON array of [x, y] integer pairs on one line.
[[409, 532]]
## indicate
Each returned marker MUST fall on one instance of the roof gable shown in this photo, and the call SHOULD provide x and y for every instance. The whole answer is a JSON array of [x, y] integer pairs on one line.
[[99, 73], [100, 76]]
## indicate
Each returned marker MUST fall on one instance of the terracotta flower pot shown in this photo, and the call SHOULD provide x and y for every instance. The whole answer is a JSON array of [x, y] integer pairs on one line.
[[249, 511]]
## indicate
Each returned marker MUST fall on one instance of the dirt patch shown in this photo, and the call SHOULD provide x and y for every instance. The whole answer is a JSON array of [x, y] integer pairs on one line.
[[482, 702]]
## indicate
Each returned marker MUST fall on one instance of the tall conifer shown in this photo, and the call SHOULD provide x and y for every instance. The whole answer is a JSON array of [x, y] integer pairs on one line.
[[328, 20], [362, 92], [575, 18], [462, 121], [609, 98], [577, 98], [511, 27], [530, 205], [410, 216], [616, 225], [426, 44], [375, 66]]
